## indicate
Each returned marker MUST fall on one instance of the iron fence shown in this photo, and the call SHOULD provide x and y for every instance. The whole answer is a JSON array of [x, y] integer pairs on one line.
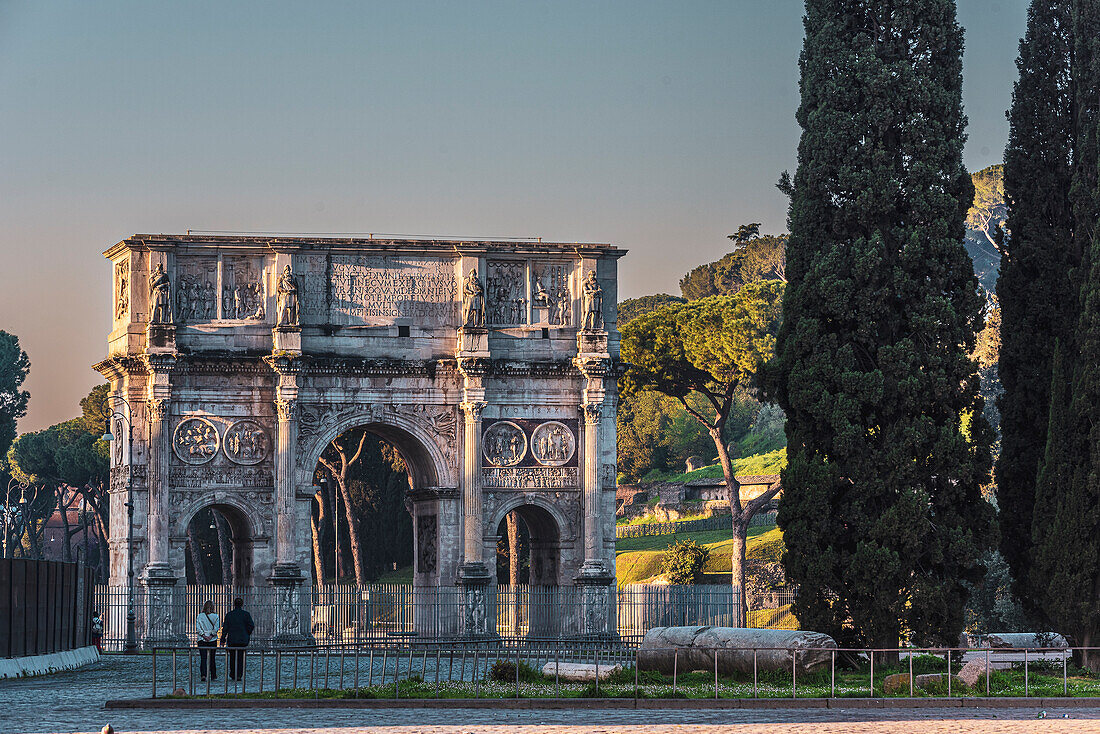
[[348, 614], [718, 522], [513, 667]]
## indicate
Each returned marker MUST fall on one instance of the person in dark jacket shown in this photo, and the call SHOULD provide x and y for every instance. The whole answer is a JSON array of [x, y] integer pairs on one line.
[[236, 632]]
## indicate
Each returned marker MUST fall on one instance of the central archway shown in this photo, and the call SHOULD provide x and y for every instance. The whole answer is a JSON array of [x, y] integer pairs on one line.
[[419, 435]]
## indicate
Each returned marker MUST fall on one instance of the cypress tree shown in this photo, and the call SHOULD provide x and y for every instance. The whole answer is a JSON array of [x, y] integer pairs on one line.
[[887, 446], [1064, 576], [1036, 285]]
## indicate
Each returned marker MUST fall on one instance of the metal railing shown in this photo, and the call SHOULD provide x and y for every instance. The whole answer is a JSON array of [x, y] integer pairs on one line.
[[717, 522], [514, 667], [358, 614]]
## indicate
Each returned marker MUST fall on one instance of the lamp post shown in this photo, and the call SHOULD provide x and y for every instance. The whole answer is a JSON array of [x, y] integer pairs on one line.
[[131, 629], [15, 516]]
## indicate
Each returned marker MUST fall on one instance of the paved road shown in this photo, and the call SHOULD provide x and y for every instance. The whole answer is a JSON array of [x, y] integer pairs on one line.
[[72, 702]]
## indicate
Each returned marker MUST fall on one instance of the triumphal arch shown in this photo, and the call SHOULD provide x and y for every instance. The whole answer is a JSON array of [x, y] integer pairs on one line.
[[490, 365]]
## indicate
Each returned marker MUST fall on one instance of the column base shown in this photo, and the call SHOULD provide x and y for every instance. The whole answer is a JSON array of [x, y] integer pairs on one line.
[[286, 339], [478, 622], [162, 627], [287, 580], [597, 587]]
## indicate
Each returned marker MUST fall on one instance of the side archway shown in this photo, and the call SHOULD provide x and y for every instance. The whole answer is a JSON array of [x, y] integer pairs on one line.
[[246, 538]]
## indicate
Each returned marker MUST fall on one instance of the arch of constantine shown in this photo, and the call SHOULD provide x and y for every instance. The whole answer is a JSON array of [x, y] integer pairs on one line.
[[490, 366]]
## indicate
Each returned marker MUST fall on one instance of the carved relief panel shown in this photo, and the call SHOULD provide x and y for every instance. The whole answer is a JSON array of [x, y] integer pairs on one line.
[[551, 298], [122, 289], [506, 293], [244, 295], [215, 452], [196, 289], [427, 543], [246, 443], [529, 454]]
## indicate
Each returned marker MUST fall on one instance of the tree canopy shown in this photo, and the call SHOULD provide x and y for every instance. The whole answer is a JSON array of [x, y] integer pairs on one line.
[[882, 511], [703, 353], [14, 367], [756, 258]]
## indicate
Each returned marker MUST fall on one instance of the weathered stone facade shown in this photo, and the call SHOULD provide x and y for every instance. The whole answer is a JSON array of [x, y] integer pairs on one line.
[[241, 358]]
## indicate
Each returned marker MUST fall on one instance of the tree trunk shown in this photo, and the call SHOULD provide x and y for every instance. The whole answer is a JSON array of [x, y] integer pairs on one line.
[[225, 548], [63, 508], [511, 521], [196, 557], [352, 524], [315, 525]]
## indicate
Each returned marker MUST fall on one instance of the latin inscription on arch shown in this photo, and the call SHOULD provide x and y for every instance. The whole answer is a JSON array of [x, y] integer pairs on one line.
[[361, 290]]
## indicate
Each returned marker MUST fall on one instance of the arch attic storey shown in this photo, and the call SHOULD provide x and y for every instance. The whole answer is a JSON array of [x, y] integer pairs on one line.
[[490, 366]]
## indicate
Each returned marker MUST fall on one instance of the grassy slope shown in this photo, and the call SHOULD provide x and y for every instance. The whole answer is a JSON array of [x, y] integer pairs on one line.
[[637, 559]]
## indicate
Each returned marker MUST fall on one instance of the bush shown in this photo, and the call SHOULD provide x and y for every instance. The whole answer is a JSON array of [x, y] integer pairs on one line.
[[504, 671], [684, 562]]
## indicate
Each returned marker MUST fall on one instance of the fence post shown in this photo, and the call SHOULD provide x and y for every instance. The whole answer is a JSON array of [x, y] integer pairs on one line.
[[949, 676], [637, 654], [872, 694], [754, 690], [597, 649], [154, 673], [675, 663], [261, 672], [794, 674], [1065, 674], [832, 674], [1026, 693], [910, 673], [716, 674], [517, 672], [438, 658], [557, 665], [987, 670]]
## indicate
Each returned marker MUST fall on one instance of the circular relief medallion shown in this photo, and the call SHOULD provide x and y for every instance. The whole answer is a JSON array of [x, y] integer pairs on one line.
[[504, 444], [245, 443], [553, 444], [195, 441]]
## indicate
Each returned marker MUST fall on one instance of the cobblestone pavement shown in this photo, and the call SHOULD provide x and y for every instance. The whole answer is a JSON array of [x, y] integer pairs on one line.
[[73, 702]]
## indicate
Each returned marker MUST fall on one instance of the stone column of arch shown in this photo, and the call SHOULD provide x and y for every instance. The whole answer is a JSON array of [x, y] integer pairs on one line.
[[160, 624], [287, 578]]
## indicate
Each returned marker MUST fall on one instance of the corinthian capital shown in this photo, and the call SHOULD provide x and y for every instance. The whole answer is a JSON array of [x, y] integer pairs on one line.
[[592, 412], [287, 409], [473, 410]]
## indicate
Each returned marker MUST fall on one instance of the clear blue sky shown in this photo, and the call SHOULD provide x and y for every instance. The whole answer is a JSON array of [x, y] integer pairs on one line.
[[657, 126]]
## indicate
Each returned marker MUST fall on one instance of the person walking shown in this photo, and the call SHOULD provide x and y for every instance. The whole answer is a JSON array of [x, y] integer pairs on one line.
[[236, 633], [97, 631], [207, 625]]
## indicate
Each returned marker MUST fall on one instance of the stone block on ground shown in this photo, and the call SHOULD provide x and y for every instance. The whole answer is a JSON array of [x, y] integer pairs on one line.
[[936, 680], [691, 648], [973, 672], [579, 672], [896, 683]]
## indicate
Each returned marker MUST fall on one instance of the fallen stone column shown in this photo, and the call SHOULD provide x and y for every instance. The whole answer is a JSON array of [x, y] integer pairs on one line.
[[693, 648]]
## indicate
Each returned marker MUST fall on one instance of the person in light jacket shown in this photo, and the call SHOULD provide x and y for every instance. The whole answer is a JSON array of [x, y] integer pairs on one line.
[[207, 625], [236, 634]]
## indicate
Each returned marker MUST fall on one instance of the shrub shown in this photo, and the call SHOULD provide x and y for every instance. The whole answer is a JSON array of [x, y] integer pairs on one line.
[[504, 671], [684, 562]]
